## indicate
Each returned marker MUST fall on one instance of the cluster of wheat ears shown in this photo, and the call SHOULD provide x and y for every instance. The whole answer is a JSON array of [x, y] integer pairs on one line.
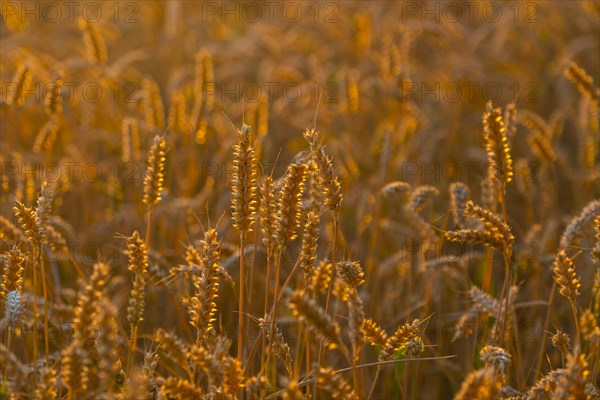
[[319, 277]]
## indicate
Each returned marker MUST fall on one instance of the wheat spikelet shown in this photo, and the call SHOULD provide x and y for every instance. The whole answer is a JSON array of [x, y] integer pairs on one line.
[[155, 174], [130, 139], [331, 186], [566, 277], [352, 91], [46, 135], [243, 182], [107, 366], [307, 310], [479, 384], [268, 211], [180, 389], [280, 347], [138, 265], [561, 341], [13, 307], [8, 226], [496, 358], [588, 323], [584, 82], [293, 392], [29, 222], [93, 41], [541, 147], [394, 188], [511, 120], [356, 321], [334, 384], [497, 146], [545, 385], [87, 303], [12, 277], [350, 272], [419, 196], [310, 240], [21, 80], [572, 385], [233, 376], [460, 193], [374, 334], [201, 305], [495, 233], [46, 389], [154, 112], [400, 339], [320, 278], [576, 224], [176, 118], [173, 347], [75, 363], [289, 200]]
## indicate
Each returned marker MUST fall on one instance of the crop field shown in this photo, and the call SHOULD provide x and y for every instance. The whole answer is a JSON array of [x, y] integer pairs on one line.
[[299, 200]]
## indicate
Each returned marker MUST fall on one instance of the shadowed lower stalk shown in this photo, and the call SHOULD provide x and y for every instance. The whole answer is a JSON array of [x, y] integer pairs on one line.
[[240, 344]]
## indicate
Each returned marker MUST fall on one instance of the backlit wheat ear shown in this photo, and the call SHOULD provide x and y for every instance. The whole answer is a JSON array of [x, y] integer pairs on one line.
[[154, 111], [400, 339], [289, 203], [497, 146], [88, 302], [46, 389], [307, 310], [310, 239], [138, 265], [318, 281], [75, 362], [29, 222], [541, 147], [495, 232], [374, 334], [94, 42], [460, 193], [479, 384], [419, 196], [334, 383], [496, 358], [267, 212], [566, 277], [107, 346], [576, 224], [562, 342], [331, 186], [178, 388], [596, 249], [155, 174], [584, 82], [130, 139], [12, 277], [395, 188], [572, 385], [47, 134], [243, 184], [21, 80]]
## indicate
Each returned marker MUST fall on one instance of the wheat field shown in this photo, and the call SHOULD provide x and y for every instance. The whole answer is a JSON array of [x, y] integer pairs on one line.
[[300, 200]]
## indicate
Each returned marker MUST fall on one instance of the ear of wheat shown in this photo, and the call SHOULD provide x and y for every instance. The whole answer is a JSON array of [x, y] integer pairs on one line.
[[155, 174]]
